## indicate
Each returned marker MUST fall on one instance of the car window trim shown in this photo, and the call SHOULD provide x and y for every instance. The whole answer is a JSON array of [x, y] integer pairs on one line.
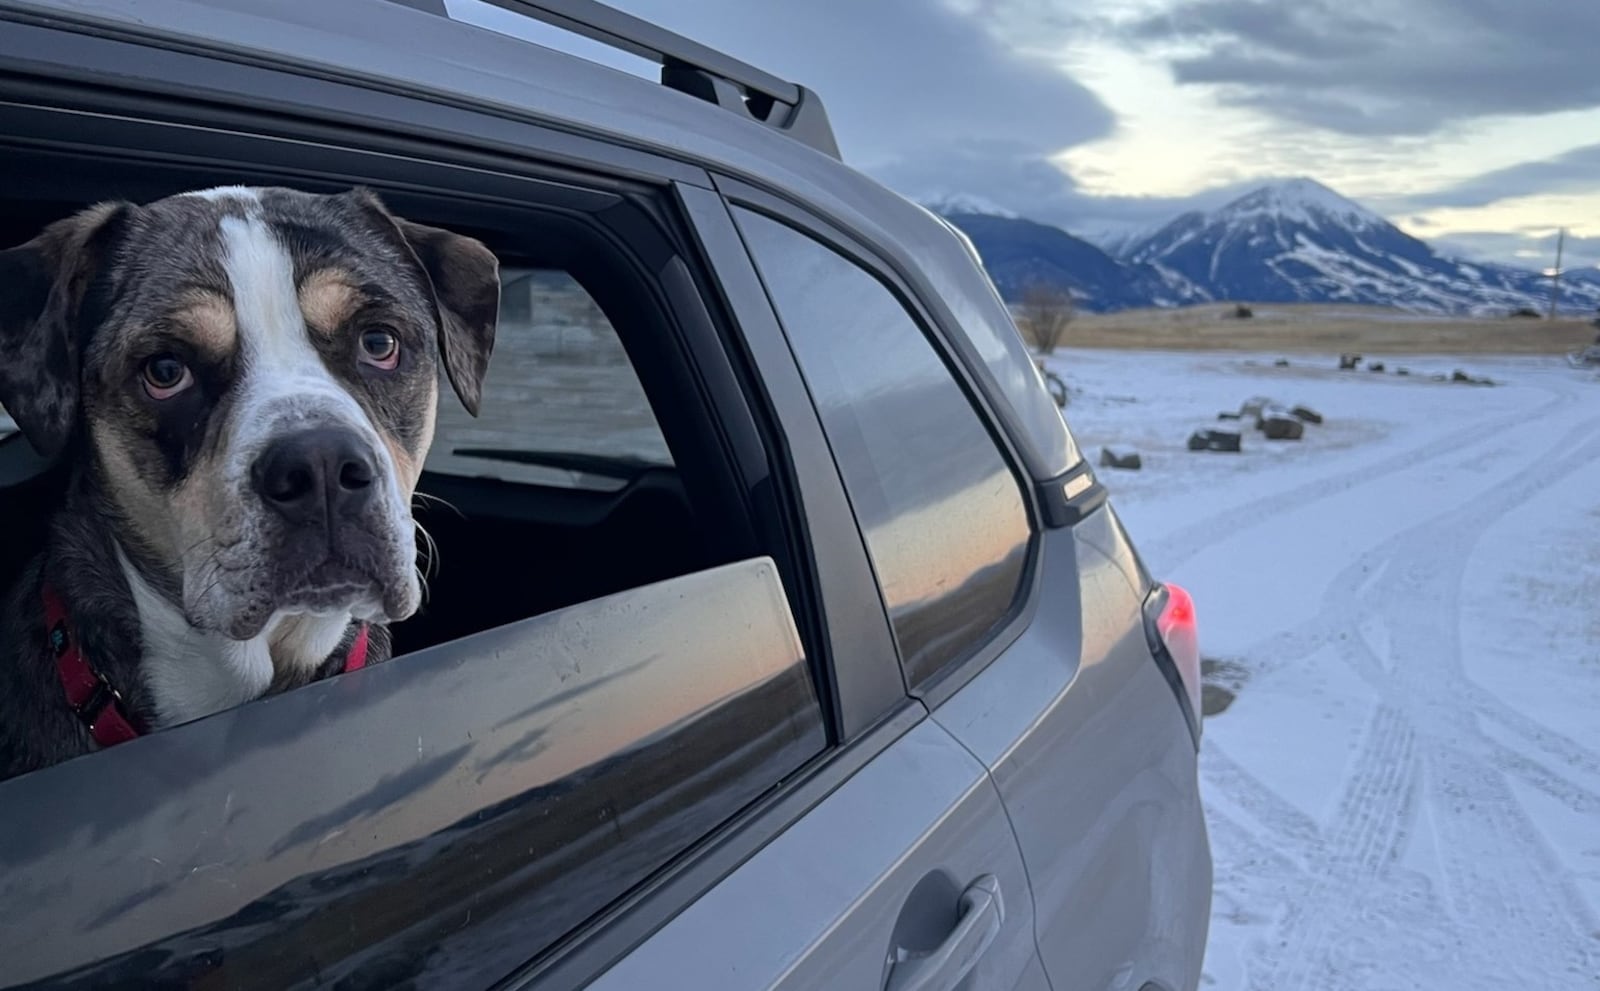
[[1024, 603]]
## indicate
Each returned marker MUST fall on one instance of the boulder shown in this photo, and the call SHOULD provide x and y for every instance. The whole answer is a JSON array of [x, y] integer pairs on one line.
[[1271, 411], [1460, 376], [1281, 363], [1305, 414], [1349, 361], [1225, 415], [1125, 458], [1402, 371], [1374, 366], [1253, 406], [1208, 439], [1283, 428]]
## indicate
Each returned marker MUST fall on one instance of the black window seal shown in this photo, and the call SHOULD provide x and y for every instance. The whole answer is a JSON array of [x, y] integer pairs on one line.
[[864, 670], [958, 672]]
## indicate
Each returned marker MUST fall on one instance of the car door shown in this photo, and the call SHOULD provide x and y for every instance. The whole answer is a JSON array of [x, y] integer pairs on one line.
[[1022, 629], [906, 875]]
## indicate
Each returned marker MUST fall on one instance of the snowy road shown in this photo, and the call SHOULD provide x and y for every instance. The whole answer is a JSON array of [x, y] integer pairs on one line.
[[1406, 791]]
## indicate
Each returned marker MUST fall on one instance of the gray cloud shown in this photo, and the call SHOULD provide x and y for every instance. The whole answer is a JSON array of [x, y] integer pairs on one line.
[[1383, 66], [902, 79], [932, 96], [1524, 250], [920, 96], [1576, 171]]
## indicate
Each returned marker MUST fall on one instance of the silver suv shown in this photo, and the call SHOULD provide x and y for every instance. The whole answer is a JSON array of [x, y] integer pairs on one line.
[[779, 636]]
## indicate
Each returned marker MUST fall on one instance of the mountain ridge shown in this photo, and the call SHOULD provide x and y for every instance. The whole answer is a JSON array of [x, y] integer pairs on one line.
[[1286, 241]]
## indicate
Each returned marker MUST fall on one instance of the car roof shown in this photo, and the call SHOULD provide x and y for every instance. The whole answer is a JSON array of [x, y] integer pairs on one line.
[[393, 44], [399, 46]]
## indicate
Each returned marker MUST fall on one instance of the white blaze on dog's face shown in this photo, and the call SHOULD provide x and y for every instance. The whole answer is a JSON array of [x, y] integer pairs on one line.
[[258, 378]]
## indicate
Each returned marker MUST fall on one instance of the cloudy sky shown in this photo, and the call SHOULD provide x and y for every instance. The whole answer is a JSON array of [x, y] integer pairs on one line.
[[1472, 123]]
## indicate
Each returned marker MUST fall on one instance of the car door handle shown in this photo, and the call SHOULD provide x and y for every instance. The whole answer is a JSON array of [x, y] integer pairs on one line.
[[982, 912]]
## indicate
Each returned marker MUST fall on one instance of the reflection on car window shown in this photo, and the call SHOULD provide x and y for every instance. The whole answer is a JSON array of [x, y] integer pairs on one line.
[[945, 523], [562, 405]]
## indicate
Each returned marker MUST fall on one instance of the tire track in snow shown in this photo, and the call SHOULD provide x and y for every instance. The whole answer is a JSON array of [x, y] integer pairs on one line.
[[1287, 824], [1418, 596], [1362, 843]]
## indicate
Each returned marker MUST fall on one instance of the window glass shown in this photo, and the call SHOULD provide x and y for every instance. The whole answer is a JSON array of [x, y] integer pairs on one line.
[[562, 405], [944, 520]]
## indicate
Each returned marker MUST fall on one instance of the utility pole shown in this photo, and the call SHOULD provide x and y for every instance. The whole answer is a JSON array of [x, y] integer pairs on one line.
[[1555, 273]]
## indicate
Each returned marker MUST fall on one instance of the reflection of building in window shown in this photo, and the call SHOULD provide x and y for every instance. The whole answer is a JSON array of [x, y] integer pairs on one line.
[[552, 317], [559, 382]]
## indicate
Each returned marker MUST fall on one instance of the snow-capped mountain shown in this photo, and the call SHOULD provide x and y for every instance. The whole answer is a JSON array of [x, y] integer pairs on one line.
[[1018, 253], [949, 204], [1293, 240], [1299, 241]]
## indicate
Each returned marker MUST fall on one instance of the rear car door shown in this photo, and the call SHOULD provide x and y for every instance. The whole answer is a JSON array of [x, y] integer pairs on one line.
[[905, 875], [1020, 621]]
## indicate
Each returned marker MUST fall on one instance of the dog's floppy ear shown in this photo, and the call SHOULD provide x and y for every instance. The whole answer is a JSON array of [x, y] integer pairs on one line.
[[42, 284], [464, 276]]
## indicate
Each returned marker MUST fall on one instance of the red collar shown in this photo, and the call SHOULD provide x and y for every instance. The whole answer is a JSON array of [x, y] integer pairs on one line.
[[94, 699]]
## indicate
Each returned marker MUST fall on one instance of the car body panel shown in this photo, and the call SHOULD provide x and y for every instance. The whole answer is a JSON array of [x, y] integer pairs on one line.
[[818, 907], [1096, 765], [190, 856]]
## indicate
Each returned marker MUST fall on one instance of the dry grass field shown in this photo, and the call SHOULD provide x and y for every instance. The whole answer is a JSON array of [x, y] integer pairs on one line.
[[1323, 328]]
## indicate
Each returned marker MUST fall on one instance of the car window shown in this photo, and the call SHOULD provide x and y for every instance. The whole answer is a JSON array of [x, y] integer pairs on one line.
[[562, 405], [945, 522]]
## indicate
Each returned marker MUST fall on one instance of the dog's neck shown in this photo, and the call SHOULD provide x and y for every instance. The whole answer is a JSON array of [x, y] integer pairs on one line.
[[135, 631], [193, 673]]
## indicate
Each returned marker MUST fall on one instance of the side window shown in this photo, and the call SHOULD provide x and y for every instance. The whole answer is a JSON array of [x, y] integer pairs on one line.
[[945, 522]]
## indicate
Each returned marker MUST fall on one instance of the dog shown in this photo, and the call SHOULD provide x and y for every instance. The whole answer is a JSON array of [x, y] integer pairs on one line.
[[240, 385]]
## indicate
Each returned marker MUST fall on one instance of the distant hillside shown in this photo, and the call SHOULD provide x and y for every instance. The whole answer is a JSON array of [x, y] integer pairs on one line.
[[1290, 241]]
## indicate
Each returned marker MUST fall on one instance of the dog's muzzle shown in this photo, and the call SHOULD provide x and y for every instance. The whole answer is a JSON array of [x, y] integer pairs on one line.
[[328, 540]]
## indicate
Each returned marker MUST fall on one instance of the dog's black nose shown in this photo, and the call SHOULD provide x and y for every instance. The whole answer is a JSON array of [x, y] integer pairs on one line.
[[315, 476]]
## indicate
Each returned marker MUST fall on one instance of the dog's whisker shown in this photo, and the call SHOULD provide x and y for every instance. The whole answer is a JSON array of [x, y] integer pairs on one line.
[[429, 549], [425, 498]]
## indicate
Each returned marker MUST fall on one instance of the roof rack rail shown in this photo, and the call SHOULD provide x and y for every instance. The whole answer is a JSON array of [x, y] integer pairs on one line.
[[686, 66]]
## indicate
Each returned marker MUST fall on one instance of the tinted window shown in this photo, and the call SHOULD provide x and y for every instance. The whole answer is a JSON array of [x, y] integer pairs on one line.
[[560, 384], [954, 265], [431, 822], [944, 519]]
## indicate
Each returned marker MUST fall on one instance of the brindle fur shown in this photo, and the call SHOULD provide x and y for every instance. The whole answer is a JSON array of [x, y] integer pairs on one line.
[[82, 302]]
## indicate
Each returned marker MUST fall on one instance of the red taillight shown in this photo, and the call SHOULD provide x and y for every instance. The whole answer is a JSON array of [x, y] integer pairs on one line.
[[1176, 627]]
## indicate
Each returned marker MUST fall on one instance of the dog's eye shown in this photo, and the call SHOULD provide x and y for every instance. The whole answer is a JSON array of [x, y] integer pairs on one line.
[[380, 348], [166, 376]]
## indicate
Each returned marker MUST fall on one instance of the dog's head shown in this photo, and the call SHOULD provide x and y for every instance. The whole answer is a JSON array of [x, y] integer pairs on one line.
[[252, 376]]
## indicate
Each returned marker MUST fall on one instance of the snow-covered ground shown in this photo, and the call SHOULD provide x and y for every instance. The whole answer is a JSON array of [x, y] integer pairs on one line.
[[1406, 791]]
